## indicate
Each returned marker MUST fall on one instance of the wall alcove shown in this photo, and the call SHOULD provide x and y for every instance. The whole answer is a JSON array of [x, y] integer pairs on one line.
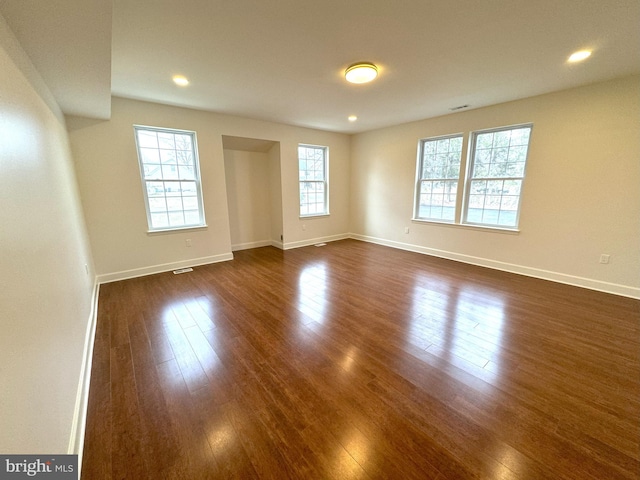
[[254, 191]]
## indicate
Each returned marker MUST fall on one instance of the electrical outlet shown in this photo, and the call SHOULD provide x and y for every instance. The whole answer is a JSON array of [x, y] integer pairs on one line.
[[304, 227], [187, 242], [406, 229], [604, 258]]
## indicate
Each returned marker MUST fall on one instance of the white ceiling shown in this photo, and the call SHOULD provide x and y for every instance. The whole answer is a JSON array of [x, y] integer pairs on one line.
[[69, 43], [283, 60]]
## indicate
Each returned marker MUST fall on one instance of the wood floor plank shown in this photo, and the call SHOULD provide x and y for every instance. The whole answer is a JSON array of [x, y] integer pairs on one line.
[[359, 361]]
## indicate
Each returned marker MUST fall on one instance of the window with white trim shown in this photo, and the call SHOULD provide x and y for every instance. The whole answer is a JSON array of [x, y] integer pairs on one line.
[[496, 172], [313, 173], [438, 174], [170, 175], [485, 193]]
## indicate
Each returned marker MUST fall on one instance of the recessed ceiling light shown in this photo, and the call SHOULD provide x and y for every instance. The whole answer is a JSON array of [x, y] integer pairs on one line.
[[352, 118], [180, 80], [361, 72], [579, 56]]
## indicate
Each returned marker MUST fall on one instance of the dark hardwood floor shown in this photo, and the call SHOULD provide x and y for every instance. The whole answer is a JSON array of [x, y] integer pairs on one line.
[[355, 360]]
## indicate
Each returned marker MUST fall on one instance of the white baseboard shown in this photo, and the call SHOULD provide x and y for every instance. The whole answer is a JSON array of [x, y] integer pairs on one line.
[[76, 439], [249, 245], [313, 241], [165, 267], [614, 288]]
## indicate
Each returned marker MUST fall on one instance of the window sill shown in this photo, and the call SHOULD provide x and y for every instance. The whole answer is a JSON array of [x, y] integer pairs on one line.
[[315, 215], [167, 231], [486, 228]]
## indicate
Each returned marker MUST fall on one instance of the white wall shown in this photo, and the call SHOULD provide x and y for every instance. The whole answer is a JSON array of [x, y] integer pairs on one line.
[[111, 190], [249, 195], [581, 196], [46, 294]]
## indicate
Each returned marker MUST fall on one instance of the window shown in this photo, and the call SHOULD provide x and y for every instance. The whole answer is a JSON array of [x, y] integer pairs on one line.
[[312, 166], [497, 164], [438, 174], [171, 178], [492, 185]]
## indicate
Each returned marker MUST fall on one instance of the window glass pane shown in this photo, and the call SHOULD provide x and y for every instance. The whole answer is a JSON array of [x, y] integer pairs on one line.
[[474, 214], [508, 218], [147, 139], [184, 157], [159, 220], [494, 186], [191, 217], [149, 155], [172, 189], [456, 144], [520, 136], [501, 139], [478, 186], [176, 219], [186, 172], [183, 142], [512, 187], [517, 154], [515, 169], [188, 188], [174, 204], [499, 155], [485, 140], [476, 201], [152, 171], [509, 202], [166, 141], [168, 157], [190, 203], [155, 189], [169, 172], [157, 204]]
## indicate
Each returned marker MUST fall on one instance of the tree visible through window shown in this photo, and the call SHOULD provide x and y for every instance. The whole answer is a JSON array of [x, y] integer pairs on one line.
[[496, 173], [312, 168], [492, 182], [439, 170], [171, 178]]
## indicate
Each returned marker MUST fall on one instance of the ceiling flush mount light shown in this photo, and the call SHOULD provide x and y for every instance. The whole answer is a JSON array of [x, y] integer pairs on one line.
[[352, 118], [361, 72], [579, 56], [180, 80]]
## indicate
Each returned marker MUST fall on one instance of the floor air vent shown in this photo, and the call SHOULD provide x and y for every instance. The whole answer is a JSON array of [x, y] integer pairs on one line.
[[183, 270]]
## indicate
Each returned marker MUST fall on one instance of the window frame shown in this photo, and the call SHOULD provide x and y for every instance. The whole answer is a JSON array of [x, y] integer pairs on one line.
[[469, 141], [469, 179], [419, 169], [197, 179], [324, 181]]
